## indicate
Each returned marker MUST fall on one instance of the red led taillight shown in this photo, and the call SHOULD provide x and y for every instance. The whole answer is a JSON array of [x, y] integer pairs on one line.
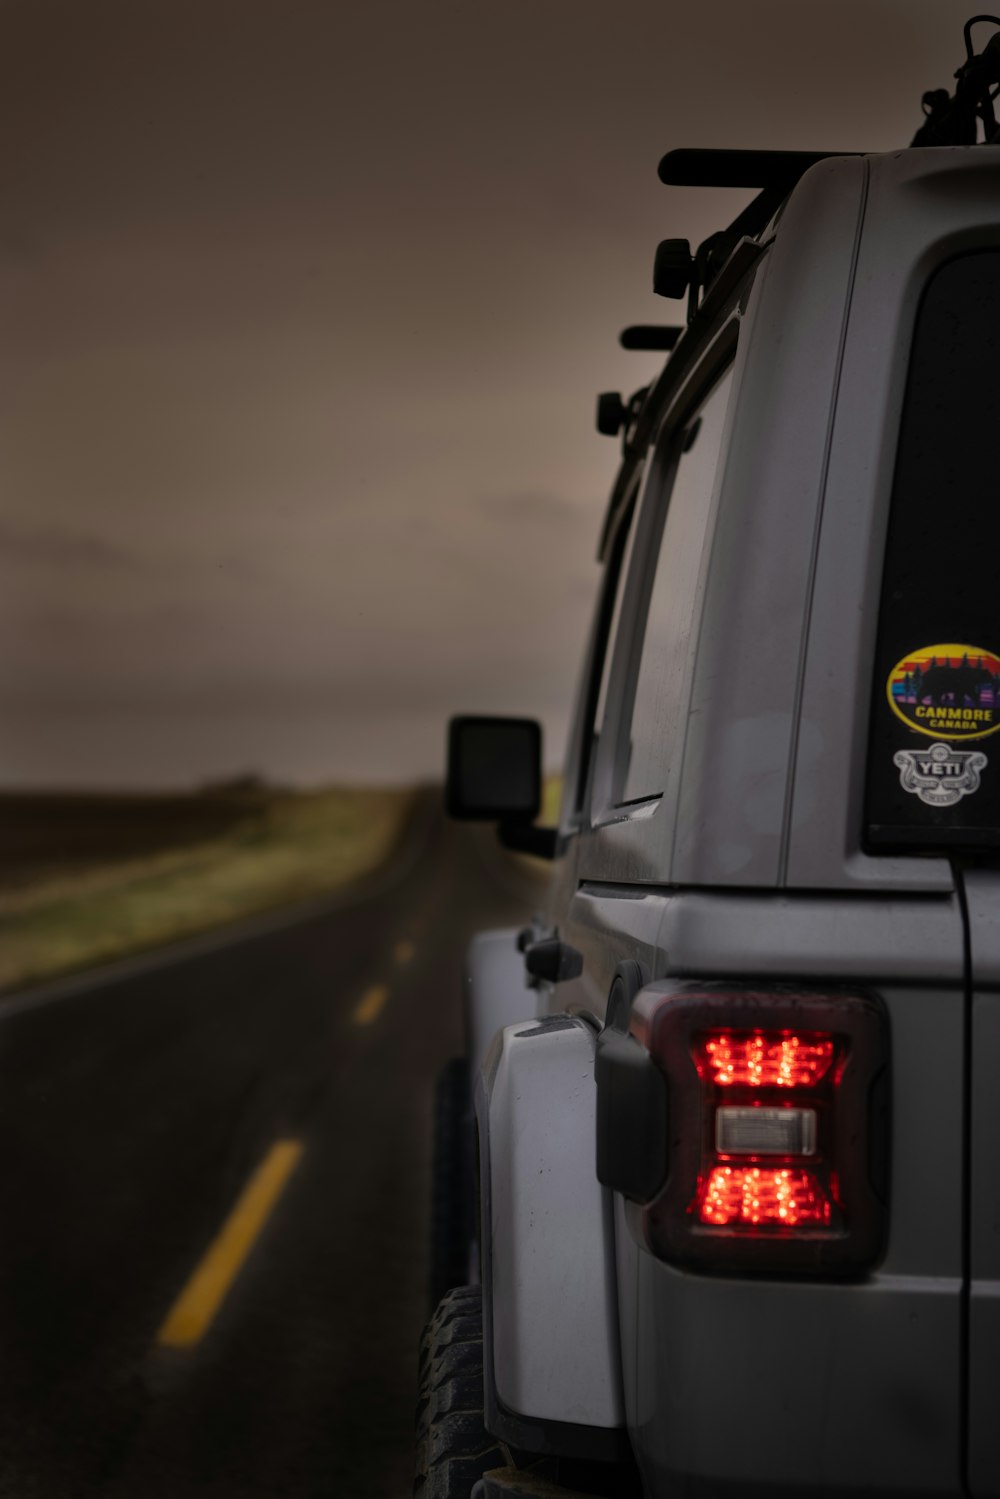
[[761, 1195], [756, 1059], [776, 1107], [767, 1095]]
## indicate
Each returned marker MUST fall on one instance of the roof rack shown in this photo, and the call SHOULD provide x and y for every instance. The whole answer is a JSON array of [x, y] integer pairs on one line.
[[649, 336], [950, 120], [774, 173], [955, 120], [767, 170]]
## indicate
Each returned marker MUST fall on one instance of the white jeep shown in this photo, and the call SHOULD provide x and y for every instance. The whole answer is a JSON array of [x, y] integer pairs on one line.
[[734, 1110]]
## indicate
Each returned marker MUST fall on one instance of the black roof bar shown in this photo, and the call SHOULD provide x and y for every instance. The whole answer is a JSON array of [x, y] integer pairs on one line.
[[772, 173], [649, 336], [692, 167]]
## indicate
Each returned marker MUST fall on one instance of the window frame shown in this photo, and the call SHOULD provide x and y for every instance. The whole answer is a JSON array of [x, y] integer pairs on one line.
[[579, 767], [610, 766]]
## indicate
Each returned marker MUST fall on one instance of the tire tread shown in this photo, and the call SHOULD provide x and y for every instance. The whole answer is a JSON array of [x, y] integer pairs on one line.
[[454, 1448]]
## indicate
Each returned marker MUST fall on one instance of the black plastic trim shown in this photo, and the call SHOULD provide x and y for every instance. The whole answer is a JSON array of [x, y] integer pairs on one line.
[[656, 337], [632, 1118], [458, 805], [598, 1444], [526, 838], [698, 167], [553, 961]]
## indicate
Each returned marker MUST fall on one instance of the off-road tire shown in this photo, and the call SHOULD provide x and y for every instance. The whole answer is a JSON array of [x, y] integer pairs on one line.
[[454, 1448], [451, 1181]]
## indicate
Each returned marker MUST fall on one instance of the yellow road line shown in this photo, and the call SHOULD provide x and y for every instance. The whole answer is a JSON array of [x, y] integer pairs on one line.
[[404, 951], [371, 1004], [192, 1312]]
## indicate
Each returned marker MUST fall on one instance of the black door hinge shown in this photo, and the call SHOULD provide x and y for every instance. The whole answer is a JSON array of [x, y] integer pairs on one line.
[[553, 961]]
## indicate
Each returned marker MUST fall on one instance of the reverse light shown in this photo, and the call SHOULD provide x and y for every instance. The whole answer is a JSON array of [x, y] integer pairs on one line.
[[760, 1131], [777, 1108]]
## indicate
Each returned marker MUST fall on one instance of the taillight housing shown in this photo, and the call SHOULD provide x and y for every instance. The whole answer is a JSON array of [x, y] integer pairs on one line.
[[777, 1118]]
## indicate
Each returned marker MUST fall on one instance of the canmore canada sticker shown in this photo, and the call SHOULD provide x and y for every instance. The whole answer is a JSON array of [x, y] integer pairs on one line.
[[947, 691]]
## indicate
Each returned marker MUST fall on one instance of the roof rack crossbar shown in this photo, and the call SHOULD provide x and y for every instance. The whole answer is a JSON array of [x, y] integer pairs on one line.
[[649, 336], [694, 167], [773, 173]]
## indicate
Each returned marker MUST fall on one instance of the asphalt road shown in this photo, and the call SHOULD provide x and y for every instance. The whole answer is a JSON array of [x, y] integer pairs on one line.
[[136, 1107]]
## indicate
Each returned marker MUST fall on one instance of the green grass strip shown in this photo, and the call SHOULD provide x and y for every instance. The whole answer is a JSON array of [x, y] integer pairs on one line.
[[293, 847]]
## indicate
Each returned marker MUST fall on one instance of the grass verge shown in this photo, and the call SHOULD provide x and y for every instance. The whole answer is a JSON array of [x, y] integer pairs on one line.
[[285, 848]]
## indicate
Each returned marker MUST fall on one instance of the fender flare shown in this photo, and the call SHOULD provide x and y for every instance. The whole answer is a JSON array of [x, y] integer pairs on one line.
[[550, 1311], [496, 991]]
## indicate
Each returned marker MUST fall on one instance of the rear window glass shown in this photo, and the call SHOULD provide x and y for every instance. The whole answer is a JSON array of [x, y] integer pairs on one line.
[[658, 705], [934, 763]]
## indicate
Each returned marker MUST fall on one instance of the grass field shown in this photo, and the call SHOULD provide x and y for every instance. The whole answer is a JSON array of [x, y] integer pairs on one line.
[[84, 879]]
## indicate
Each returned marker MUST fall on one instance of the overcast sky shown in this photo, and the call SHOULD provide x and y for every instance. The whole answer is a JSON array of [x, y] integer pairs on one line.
[[304, 308]]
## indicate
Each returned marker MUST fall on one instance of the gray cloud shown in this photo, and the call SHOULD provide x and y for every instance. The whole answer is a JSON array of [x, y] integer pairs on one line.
[[62, 548], [298, 390]]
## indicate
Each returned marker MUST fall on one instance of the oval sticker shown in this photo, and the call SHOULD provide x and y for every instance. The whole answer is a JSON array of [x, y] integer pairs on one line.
[[947, 691]]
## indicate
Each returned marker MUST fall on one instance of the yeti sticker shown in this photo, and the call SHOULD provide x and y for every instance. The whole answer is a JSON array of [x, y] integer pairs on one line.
[[947, 692], [940, 776]]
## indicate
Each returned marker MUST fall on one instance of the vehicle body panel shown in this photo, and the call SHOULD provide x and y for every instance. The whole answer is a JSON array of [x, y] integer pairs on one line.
[[923, 207], [982, 890], [859, 1381]]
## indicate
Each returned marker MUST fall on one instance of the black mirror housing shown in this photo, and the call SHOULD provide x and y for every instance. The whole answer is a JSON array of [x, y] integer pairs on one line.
[[494, 769]]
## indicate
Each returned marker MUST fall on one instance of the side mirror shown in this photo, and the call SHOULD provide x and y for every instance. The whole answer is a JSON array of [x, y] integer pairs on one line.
[[495, 775], [494, 769]]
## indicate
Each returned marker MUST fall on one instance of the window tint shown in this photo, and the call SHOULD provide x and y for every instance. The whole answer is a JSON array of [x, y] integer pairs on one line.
[[656, 704], [932, 777]]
